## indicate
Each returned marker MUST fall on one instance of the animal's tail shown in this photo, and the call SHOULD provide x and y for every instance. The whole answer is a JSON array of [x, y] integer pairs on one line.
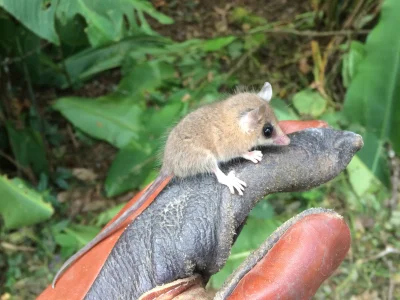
[[147, 198]]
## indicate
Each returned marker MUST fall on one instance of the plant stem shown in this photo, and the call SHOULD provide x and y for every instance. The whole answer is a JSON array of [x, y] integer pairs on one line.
[[27, 171], [33, 100]]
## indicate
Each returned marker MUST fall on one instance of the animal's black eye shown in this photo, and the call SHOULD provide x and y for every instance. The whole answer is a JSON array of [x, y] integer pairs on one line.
[[268, 129]]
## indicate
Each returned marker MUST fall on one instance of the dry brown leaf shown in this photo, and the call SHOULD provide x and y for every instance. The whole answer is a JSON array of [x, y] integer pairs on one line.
[[84, 174], [12, 247], [304, 67], [186, 97], [5, 296]]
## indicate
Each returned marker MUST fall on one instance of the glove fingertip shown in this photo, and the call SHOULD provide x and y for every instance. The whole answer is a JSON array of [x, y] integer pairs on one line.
[[303, 258]]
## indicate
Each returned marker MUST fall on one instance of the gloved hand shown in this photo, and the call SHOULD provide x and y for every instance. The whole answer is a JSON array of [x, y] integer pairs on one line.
[[186, 234]]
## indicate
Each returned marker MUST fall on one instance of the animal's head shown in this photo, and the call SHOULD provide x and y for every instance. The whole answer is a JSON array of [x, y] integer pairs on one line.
[[262, 121]]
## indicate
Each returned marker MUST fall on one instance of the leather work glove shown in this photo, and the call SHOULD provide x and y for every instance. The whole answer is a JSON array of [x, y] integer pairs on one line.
[[185, 236]]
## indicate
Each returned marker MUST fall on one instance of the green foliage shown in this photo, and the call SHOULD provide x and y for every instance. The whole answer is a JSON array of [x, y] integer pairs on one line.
[[105, 21], [351, 61], [373, 96], [75, 237], [114, 120], [241, 15], [112, 29], [28, 148], [20, 205], [217, 44], [129, 169], [361, 177], [263, 210], [104, 36], [91, 61], [35, 16], [282, 110], [309, 102], [103, 218]]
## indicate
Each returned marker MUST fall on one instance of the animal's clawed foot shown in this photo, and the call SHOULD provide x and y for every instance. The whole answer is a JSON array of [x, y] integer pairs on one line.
[[232, 182], [255, 156]]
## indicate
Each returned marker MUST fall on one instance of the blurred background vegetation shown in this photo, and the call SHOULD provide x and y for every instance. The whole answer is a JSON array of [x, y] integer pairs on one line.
[[89, 87]]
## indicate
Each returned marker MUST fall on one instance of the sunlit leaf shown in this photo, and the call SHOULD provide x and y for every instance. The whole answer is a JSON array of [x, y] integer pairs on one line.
[[20, 205], [263, 210], [309, 102], [104, 217], [117, 118], [82, 233], [130, 167], [145, 77], [28, 148], [373, 98], [158, 121], [217, 43], [35, 16], [351, 61], [74, 237], [282, 110], [108, 118], [111, 20], [360, 176], [91, 61]]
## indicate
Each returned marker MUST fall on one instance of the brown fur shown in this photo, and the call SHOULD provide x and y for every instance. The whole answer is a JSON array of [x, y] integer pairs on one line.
[[212, 134]]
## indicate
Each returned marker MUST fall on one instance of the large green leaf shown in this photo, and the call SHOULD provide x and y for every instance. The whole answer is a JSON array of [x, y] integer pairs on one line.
[[74, 237], [35, 16], [111, 20], [104, 217], [21, 205], [129, 169], [282, 110], [83, 234], [373, 99], [360, 176], [158, 121], [113, 27], [28, 148], [217, 43], [309, 102], [145, 78], [108, 118], [351, 61], [89, 62]]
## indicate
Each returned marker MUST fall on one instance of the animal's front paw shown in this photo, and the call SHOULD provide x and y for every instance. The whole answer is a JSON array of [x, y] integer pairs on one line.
[[232, 182], [255, 156]]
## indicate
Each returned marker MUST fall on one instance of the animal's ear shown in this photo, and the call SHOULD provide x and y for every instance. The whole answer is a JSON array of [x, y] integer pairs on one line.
[[250, 120], [266, 92]]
